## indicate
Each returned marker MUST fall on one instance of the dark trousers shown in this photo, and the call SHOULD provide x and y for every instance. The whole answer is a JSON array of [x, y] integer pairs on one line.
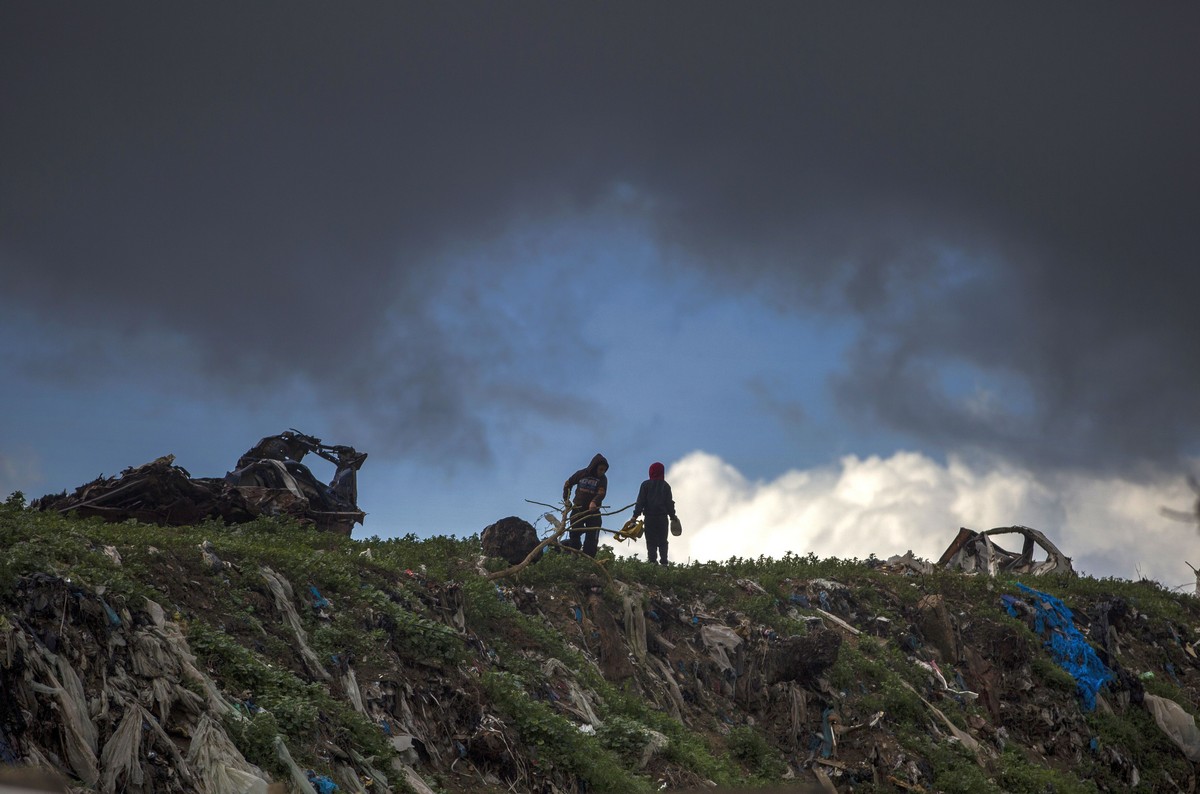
[[656, 538], [584, 531]]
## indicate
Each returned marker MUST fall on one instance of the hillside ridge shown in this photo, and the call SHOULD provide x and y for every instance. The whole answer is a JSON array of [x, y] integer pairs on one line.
[[213, 658]]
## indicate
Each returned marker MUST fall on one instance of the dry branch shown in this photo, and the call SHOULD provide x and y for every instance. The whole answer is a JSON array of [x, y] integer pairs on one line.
[[561, 525]]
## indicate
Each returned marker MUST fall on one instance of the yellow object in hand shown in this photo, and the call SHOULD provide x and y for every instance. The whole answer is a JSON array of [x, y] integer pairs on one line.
[[631, 531]]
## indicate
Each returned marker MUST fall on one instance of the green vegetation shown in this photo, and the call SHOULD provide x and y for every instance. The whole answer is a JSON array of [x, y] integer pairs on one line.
[[555, 740], [752, 749]]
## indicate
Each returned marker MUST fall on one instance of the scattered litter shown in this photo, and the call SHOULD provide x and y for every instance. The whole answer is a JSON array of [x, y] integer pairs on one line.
[[933, 668], [113, 618], [298, 777], [1176, 723], [828, 737], [319, 601], [208, 553], [284, 602], [321, 783], [965, 738], [220, 765], [751, 586], [838, 621], [906, 563], [720, 642]]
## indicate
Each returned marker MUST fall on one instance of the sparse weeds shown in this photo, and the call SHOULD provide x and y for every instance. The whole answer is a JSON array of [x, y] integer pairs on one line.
[[559, 742], [1015, 775], [412, 635], [752, 749], [296, 708], [1131, 736]]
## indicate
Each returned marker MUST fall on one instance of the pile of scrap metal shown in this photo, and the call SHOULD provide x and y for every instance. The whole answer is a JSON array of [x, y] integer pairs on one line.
[[975, 552], [269, 480]]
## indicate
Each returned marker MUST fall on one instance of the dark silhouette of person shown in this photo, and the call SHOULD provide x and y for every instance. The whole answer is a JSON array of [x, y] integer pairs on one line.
[[656, 502], [590, 486]]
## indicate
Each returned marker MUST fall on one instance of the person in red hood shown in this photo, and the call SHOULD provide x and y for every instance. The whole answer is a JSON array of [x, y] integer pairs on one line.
[[590, 486], [658, 505]]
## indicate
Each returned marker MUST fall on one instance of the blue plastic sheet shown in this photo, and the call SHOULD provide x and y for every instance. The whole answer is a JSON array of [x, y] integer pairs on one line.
[[1068, 646], [826, 734], [319, 601], [321, 783], [112, 615]]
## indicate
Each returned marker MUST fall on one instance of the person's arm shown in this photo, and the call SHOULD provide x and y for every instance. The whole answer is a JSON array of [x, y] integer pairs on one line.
[[572, 480], [601, 490], [640, 506], [670, 500]]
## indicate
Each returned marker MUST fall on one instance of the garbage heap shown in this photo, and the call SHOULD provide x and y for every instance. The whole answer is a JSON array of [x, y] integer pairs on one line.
[[383, 666]]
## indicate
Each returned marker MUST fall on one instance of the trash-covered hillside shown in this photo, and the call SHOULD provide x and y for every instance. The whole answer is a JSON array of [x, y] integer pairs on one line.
[[269, 656]]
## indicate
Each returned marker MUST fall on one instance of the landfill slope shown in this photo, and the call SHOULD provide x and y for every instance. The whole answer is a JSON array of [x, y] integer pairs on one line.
[[270, 657]]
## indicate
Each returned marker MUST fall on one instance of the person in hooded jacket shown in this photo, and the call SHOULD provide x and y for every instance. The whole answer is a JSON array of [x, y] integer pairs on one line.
[[656, 502], [590, 486]]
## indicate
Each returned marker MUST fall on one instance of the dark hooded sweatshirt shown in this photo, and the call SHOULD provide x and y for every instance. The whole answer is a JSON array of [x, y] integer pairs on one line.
[[655, 497], [590, 484]]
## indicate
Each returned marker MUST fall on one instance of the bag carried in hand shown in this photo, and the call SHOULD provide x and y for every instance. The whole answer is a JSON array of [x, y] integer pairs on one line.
[[631, 531], [676, 527]]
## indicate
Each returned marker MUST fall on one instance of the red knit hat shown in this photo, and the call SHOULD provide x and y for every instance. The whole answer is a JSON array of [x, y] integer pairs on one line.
[[657, 471]]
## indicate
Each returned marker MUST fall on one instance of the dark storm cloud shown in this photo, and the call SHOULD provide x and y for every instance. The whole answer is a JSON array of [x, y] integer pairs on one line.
[[228, 175]]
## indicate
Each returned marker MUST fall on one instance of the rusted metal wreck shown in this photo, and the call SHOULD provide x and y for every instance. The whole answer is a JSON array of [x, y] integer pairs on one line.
[[269, 480], [977, 552]]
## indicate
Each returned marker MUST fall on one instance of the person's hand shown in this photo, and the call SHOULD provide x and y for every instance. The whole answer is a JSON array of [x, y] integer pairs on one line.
[[592, 506]]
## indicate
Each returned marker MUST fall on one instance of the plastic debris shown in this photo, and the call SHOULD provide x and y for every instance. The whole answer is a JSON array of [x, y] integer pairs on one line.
[[219, 765], [285, 603], [113, 618], [321, 783], [720, 642], [1067, 644], [299, 779], [1176, 723], [319, 601], [828, 738]]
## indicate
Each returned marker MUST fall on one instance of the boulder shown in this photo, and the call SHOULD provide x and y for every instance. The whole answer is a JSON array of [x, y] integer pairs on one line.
[[510, 538], [802, 658], [934, 622]]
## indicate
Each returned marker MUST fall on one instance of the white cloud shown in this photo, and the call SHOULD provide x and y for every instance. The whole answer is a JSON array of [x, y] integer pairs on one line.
[[885, 506]]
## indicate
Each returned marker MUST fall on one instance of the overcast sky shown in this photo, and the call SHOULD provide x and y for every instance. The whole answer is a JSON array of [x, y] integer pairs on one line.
[[953, 246]]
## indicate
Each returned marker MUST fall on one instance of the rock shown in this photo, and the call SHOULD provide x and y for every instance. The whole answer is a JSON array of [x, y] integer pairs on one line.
[[510, 538], [802, 658], [936, 625]]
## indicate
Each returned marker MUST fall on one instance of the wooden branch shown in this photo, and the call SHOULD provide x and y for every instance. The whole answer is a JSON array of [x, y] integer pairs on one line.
[[561, 526], [533, 555]]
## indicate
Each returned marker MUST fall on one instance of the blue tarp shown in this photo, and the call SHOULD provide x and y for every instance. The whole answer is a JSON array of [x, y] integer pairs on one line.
[[321, 783], [319, 601], [1067, 644]]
